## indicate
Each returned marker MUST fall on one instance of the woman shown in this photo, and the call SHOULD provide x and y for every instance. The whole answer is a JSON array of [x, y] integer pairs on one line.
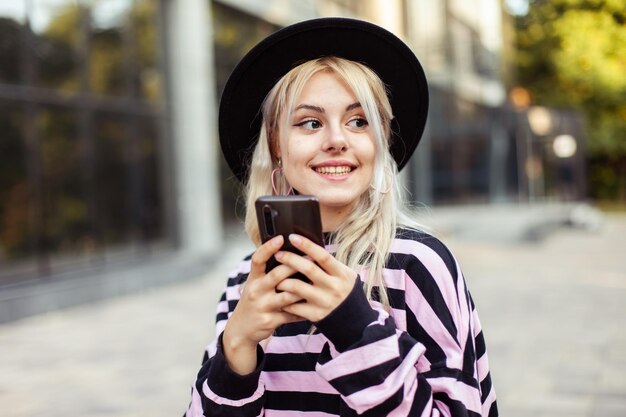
[[386, 325]]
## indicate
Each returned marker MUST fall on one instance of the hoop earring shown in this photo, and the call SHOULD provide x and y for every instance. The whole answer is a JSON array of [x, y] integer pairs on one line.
[[279, 169]]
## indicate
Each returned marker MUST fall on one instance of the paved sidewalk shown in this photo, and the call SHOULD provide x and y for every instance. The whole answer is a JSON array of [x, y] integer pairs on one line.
[[553, 312]]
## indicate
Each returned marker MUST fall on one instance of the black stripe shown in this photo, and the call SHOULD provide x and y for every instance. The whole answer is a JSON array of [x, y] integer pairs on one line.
[[386, 406], [460, 376], [237, 279], [433, 243], [469, 359], [221, 317], [372, 376], [232, 304], [299, 401], [457, 408], [294, 329], [485, 388], [481, 347], [434, 353], [452, 373], [427, 285], [493, 410], [276, 362], [396, 297], [421, 398], [211, 408]]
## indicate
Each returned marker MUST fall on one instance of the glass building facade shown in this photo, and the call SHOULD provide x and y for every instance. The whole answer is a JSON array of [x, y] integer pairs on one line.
[[84, 126]]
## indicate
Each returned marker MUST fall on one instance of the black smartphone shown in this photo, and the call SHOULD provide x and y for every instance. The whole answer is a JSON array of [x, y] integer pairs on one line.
[[284, 215]]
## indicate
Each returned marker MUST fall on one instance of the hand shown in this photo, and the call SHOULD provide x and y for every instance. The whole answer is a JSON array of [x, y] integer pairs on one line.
[[259, 310], [331, 281]]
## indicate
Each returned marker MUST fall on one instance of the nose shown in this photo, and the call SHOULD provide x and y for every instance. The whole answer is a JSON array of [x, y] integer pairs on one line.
[[336, 140]]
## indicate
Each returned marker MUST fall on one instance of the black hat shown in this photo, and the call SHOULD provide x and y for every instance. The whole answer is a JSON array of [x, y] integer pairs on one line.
[[356, 40]]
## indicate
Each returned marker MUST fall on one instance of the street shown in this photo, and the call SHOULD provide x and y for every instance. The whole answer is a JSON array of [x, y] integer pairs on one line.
[[552, 311]]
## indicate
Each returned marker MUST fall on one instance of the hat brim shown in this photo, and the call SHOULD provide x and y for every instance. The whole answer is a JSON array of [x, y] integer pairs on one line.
[[356, 40]]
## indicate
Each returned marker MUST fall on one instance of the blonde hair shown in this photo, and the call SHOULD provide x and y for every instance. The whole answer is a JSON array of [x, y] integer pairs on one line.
[[365, 236]]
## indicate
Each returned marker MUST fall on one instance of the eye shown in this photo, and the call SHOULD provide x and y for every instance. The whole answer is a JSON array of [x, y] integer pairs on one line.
[[358, 123], [311, 124]]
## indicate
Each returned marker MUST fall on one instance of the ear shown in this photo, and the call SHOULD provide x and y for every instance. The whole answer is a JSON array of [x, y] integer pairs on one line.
[[274, 144]]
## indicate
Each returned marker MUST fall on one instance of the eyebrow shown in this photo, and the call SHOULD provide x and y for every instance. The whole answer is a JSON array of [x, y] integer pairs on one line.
[[318, 109]]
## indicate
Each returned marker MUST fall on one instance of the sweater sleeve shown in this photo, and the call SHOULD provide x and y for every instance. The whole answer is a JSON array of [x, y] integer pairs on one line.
[[218, 390], [436, 367]]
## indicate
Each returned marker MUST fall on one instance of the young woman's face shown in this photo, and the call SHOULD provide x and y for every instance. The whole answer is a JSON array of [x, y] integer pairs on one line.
[[328, 149]]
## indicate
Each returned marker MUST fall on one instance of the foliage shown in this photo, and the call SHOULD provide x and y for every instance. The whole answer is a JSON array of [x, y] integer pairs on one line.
[[572, 53]]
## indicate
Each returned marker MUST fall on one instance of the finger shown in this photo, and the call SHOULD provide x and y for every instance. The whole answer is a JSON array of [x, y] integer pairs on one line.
[[304, 310], [262, 255], [317, 253], [278, 274], [299, 288], [282, 299], [303, 265]]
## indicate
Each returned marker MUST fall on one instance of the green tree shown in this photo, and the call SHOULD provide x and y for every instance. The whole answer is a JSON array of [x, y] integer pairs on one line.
[[572, 53]]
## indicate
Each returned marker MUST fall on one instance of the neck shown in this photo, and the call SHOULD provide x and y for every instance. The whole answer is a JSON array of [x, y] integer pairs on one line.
[[332, 217]]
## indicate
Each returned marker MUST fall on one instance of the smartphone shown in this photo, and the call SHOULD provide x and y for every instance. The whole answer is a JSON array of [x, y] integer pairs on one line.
[[284, 215]]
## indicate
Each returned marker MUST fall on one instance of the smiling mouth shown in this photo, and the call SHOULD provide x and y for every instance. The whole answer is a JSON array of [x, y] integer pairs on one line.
[[340, 170]]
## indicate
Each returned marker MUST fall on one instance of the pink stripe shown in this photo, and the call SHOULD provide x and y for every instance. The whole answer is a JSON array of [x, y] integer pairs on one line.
[[220, 326], [233, 293], [423, 365], [435, 266], [482, 367], [443, 409], [222, 307], [301, 343], [296, 381], [394, 278], [432, 323], [477, 324], [195, 408], [409, 396], [212, 348], [291, 413], [242, 268], [360, 358], [469, 396], [234, 403], [465, 315], [404, 374], [399, 318]]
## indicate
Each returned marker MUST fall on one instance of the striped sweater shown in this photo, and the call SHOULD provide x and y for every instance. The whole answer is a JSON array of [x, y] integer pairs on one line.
[[426, 356]]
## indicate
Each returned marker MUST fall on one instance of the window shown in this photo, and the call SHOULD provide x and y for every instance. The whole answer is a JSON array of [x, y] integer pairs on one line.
[[82, 116]]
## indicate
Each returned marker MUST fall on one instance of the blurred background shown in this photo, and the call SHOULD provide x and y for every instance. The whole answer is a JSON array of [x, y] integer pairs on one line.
[[119, 219]]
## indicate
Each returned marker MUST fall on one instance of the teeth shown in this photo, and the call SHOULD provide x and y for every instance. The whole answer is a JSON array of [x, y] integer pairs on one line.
[[333, 170]]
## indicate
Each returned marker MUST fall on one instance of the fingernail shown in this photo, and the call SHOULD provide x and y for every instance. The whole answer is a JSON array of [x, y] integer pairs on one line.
[[295, 239], [279, 255], [277, 241]]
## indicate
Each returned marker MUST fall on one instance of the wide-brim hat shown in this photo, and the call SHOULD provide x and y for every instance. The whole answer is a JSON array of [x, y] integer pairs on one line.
[[356, 40]]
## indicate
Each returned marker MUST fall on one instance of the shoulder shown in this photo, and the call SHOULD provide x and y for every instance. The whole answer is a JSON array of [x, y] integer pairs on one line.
[[411, 246]]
